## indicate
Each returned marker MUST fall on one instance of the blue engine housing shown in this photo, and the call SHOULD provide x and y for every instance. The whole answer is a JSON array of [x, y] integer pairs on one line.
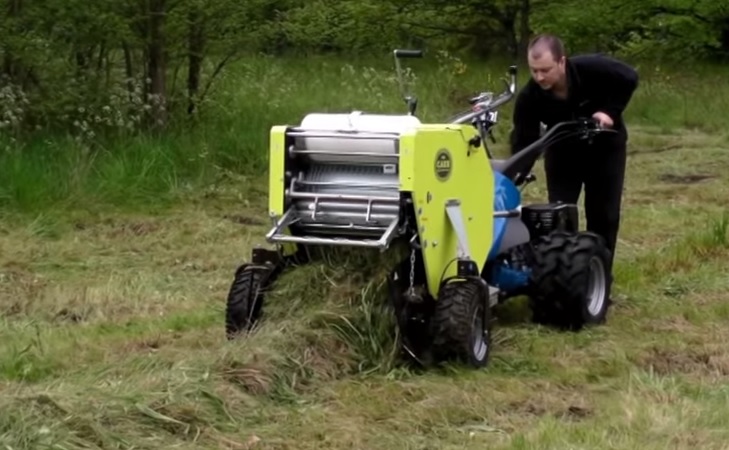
[[507, 278], [506, 198], [503, 276]]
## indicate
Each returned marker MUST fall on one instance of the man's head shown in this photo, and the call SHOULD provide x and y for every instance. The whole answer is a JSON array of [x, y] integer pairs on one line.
[[547, 61]]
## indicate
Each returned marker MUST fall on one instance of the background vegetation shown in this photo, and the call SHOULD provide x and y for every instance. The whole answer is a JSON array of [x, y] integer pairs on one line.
[[124, 100]]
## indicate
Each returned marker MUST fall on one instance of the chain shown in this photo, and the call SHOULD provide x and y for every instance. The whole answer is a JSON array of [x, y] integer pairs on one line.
[[412, 273]]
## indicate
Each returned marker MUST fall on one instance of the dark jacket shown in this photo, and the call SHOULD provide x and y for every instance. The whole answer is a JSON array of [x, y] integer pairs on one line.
[[595, 82]]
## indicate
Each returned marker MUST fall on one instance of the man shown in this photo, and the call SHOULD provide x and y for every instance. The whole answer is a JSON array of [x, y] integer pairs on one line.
[[563, 89]]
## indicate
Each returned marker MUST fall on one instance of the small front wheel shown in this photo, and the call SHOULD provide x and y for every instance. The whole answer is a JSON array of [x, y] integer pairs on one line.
[[462, 323], [245, 301]]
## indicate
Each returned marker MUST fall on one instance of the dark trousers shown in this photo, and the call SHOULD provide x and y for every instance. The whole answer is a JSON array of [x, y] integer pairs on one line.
[[600, 168]]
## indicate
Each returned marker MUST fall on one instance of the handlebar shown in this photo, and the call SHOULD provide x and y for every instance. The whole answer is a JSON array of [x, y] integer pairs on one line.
[[410, 99], [584, 127], [479, 104], [484, 101], [521, 162], [406, 53]]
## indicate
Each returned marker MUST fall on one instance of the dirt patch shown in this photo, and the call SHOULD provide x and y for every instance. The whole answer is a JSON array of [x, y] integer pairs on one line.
[[654, 150], [699, 362], [137, 229], [66, 315], [527, 408], [560, 409], [243, 220], [685, 179], [149, 343], [13, 270], [671, 325], [253, 378], [116, 227], [140, 228], [18, 285], [576, 413]]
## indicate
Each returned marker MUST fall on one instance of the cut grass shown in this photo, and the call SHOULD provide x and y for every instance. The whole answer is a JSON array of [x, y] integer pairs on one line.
[[112, 336]]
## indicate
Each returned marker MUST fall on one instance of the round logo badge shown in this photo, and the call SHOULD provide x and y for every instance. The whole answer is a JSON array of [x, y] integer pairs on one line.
[[442, 164]]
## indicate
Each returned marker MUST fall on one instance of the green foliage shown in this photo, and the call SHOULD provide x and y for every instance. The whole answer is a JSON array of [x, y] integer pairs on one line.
[[674, 30], [96, 166], [124, 101], [353, 26], [127, 66]]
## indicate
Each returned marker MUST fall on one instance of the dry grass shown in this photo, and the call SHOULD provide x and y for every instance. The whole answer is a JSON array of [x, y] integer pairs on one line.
[[112, 337]]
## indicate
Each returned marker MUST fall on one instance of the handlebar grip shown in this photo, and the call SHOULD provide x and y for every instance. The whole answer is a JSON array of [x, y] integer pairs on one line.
[[404, 53], [512, 70]]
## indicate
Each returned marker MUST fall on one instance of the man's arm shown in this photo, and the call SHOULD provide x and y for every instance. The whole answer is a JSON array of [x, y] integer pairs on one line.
[[525, 122], [615, 81]]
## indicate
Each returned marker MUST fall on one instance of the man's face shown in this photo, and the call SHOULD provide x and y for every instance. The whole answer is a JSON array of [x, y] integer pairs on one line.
[[545, 70]]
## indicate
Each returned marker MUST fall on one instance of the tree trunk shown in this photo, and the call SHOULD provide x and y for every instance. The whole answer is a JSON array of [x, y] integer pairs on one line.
[[10, 64], [525, 31], [196, 47], [724, 38], [156, 64], [129, 70]]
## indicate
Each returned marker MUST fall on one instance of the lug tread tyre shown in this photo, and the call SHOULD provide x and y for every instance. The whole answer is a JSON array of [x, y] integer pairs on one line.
[[244, 302], [459, 303], [561, 277]]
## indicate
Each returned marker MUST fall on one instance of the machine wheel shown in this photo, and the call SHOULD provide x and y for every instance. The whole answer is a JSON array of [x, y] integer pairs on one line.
[[571, 280], [462, 324], [245, 300], [412, 316]]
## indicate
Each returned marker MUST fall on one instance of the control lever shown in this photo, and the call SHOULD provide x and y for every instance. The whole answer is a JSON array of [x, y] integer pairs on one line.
[[407, 53], [481, 97], [410, 99], [523, 181]]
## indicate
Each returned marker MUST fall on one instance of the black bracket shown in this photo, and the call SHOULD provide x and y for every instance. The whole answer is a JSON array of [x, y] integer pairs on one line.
[[260, 256], [467, 268]]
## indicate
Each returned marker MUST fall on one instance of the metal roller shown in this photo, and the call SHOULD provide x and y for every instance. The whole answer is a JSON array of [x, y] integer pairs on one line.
[[363, 180], [354, 138], [346, 183], [345, 195]]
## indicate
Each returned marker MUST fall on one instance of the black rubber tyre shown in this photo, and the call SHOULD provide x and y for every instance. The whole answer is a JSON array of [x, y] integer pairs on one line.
[[245, 301], [460, 329], [413, 319], [571, 280]]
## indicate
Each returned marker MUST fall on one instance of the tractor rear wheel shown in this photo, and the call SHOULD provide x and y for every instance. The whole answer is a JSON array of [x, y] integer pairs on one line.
[[462, 324], [571, 280], [245, 300]]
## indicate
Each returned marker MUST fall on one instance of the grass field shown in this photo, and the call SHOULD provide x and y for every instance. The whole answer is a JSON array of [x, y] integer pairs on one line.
[[113, 276]]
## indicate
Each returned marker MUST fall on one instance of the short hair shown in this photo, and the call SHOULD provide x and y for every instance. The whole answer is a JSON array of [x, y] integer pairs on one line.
[[552, 42]]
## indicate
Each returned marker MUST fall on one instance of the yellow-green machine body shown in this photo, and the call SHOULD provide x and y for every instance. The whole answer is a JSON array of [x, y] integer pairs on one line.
[[448, 182], [388, 183]]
